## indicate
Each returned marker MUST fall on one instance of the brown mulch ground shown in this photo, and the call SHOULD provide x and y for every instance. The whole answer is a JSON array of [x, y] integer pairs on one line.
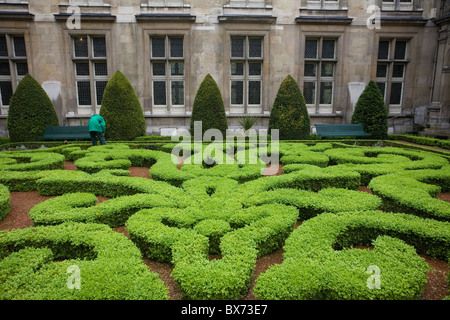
[[22, 202]]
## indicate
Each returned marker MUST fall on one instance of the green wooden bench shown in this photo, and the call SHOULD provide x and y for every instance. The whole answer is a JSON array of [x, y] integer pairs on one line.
[[66, 133], [341, 130]]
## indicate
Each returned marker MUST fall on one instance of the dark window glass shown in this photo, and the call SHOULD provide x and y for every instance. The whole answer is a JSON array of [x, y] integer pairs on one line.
[[254, 92], [398, 71], [382, 87], [101, 69], [22, 68], [237, 92], [311, 49], [159, 69], [382, 70], [177, 92], [237, 47], [255, 47], [383, 50], [82, 68], [6, 92], [255, 69], [3, 46], [99, 45], [177, 68], [396, 93], [5, 68], [309, 92], [99, 90], [158, 48], [328, 49], [176, 47], [310, 69], [84, 93], [237, 69], [326, 92], [19, 47], [159, 93], [400, 50], [80, 46]]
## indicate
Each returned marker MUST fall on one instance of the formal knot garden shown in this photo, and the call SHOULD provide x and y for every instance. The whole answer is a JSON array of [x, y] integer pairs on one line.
[[210, 223]]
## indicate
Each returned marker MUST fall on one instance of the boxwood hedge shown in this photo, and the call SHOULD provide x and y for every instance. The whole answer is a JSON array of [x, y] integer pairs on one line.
[[182, 237], [35, 264], [5, 203], [320, 263]]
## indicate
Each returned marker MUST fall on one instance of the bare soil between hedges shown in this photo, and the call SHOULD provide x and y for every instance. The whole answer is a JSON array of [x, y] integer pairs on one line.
[[22, 202]]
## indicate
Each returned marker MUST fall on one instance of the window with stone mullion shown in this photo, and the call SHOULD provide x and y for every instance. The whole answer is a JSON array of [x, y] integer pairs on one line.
[[168, 72], [91, 71], [246, 71], [391, 71], [319, 74], [13, 66]]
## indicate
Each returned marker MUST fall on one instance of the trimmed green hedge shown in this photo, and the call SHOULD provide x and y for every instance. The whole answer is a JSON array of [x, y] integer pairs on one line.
[[22, 161], [171, 235], [30, 111], [427, 141], [5, 201], [81, 207], [318, 263], [35, 264], [310, 204], [414, 192]]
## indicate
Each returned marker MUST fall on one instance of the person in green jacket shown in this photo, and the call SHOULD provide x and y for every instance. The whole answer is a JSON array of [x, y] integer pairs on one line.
[[97, 128]]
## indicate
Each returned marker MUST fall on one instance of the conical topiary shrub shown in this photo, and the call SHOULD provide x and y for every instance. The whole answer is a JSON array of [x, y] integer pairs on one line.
[[371, 112], [30, 111], [289, 113], [209, 108], [122, 110]]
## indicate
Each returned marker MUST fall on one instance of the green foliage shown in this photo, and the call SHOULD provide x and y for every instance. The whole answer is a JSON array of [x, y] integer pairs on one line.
[[171, 236], [289, 113], [321, 263], [209, 108], [427, 141], [110, 265], [5, 203], [414, 192], [181, 216], [248, 122], [30, 111], [371, 112], [122, 110]]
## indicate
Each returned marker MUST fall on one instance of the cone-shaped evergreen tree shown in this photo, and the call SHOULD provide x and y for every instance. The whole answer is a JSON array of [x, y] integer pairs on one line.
[[209, 107], [122, 110], [371, 112], [30, 111], [289, 113]]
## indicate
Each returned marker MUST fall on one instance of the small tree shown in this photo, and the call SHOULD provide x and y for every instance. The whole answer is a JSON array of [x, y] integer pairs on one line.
[[371, 112], [209, 107], [30, 111], [122, 110], [289, 113]]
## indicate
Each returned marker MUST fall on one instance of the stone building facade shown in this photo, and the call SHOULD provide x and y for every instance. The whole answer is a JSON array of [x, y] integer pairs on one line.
[[333, 48]]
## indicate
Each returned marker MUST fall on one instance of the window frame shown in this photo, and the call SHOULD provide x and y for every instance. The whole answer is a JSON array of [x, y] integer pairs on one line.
[[168, 78], [389, 79], [13, 60], [246, 78], [92, 59], [317, 107]]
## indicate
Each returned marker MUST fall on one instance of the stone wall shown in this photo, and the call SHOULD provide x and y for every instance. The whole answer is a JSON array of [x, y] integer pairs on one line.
[[206, 27]]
